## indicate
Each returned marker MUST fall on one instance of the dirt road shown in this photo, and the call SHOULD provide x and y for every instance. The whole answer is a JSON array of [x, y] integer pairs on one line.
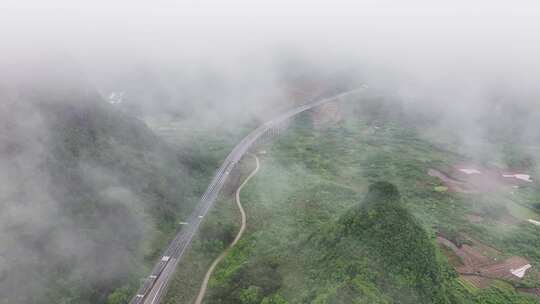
[[204, 285]]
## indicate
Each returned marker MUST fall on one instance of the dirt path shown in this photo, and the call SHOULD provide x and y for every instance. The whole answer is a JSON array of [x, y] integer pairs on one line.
[[204, 285]]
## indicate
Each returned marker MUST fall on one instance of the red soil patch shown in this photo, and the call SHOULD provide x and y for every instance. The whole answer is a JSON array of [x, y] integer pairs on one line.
[[502, 270], [452, 184], [480, 263], [488, 180], [467, 178], [477, 281]]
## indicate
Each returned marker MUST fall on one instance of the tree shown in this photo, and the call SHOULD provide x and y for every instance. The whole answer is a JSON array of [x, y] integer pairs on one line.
[[119, 296], [275, 299], [251, 295]]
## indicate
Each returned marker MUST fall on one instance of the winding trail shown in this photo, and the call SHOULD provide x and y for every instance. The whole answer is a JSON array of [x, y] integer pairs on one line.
[[154, 287], [204, 285]]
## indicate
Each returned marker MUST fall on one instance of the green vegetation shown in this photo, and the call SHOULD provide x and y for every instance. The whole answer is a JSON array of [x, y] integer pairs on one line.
[[440, 188], [309, 240], [516, 158], [214, 237], [380, 244], [158, 183], [113, 196]]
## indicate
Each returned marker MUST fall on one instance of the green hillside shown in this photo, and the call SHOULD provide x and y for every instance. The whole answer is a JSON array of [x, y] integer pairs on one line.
[[381, 249], [101, 193], [322, 228]]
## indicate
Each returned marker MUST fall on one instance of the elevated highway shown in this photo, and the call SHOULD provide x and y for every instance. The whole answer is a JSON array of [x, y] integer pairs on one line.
[[155, 285]]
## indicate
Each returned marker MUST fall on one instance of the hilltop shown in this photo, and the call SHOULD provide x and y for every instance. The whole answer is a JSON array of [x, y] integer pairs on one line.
[[385, 253]]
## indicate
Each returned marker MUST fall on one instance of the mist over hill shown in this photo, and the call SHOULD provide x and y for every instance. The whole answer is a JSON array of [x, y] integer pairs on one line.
[[84, 190], [115, 114]]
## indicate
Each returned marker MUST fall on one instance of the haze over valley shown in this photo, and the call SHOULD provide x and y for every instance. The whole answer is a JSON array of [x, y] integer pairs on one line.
[[272, 152]]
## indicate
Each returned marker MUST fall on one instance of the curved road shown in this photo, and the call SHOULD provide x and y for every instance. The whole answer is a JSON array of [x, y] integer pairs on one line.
[[155, 285], [204, 284]]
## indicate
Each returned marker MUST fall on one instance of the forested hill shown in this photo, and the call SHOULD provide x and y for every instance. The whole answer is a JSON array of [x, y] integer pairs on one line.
[[87, 193], [382, 255]]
